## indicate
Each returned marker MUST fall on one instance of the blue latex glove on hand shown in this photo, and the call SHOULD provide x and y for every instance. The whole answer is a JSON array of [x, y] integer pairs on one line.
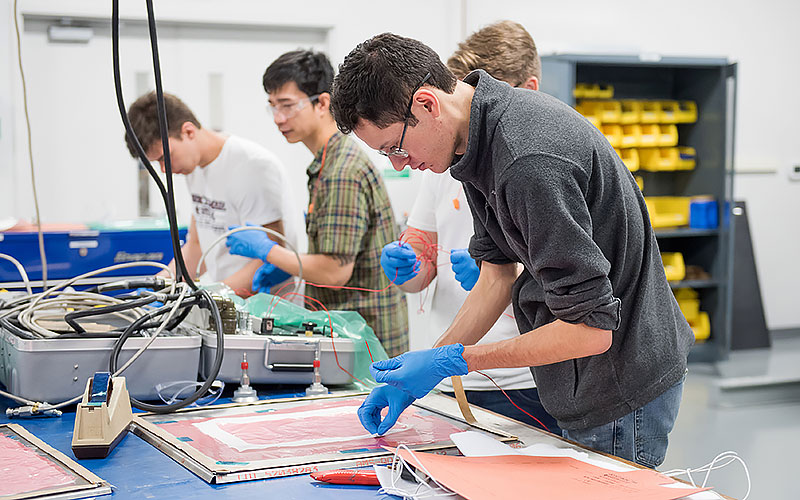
[[252, 244], [268, 276], [382, 396], [399, 262], [417, 372], [465, 267]]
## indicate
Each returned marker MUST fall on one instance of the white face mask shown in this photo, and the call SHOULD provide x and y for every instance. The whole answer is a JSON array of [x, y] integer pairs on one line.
[[422, 486]]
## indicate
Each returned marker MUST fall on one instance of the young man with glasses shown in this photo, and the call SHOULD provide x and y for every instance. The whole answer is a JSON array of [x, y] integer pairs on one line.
[[603, 333], [231, 180], [440, 219], [349, 215]]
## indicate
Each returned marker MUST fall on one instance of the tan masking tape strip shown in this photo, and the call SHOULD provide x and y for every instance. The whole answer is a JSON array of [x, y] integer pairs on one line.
[[461, 397]]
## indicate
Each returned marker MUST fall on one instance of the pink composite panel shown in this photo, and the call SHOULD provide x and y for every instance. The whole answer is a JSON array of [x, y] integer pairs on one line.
[[319, 427], [24, 470]]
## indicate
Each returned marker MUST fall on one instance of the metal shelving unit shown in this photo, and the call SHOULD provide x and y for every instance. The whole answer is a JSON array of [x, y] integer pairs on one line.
[[711, 83]]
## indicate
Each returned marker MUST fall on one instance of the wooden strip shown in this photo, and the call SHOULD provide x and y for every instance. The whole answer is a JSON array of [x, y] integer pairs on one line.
[[461, 397]]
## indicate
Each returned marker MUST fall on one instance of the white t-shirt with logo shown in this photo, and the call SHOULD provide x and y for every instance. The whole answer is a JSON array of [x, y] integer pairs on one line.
[[245, 183], [436, 211]]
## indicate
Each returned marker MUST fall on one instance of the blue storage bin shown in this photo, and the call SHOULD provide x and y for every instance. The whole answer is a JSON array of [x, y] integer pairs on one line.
[[70, 254], [703, 213]]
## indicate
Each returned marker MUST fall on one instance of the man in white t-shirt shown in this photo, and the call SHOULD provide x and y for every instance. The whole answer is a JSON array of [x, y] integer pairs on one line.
[[232, 181], [440, 227]]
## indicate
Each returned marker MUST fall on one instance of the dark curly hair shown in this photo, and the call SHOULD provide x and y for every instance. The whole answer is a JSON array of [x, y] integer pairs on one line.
[[377, 78]]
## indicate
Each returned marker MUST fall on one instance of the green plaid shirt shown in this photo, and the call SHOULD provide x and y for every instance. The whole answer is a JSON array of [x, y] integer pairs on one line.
[[352, 216]]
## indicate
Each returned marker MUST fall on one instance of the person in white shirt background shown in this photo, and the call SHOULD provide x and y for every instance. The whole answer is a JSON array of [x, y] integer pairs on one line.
[[232, 181]]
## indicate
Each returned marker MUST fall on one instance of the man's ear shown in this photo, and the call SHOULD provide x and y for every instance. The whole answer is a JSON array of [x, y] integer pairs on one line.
[[324, 102], [428, 100], [188, 130], [531, 83]]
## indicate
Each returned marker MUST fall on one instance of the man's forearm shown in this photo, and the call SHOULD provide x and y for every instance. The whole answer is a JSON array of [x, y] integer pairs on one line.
[[317, 268], [552, 343], [241, 281], [484, 304]]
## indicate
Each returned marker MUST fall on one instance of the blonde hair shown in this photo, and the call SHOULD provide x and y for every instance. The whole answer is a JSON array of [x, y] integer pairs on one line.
[[503, 49]]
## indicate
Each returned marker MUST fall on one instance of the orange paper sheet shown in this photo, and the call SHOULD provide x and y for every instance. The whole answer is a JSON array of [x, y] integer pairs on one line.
[[552, 478]]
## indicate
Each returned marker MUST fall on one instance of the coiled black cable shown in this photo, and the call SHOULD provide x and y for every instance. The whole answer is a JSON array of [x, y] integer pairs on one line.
[[206, 302]]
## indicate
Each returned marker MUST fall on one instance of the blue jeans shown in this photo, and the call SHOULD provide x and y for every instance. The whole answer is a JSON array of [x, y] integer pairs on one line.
[[639, 436], [527, 399]]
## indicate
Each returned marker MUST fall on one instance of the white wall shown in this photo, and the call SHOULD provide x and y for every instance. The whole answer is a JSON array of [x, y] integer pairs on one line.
[[760, 36]]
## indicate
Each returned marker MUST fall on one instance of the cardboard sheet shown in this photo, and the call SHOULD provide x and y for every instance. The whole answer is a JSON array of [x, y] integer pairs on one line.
[[554, 478]]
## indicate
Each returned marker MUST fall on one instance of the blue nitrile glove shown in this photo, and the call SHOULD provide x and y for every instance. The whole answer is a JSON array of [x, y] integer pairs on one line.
[[382, 396], [465, 267], [267, 276], [399, 262], [417, 372], [252, 244], [140, 292]]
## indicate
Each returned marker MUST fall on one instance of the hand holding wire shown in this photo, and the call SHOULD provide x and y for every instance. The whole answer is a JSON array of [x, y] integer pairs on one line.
[[252, 244], [417, 372], [465, 267], [399, 262], [369, 413]]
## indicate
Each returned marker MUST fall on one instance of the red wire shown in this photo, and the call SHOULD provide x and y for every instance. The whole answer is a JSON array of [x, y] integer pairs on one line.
[[512, 402], [330, 323]]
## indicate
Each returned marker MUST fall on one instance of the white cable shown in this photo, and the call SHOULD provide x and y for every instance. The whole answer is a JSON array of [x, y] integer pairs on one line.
[[423, 490], [264, 230], [158, 331], [21, 270], [185, 288], [17, 398], [30, 149], [730, 456]]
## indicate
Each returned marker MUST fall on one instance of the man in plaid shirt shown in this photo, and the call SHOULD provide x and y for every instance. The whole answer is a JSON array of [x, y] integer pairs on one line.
[[349, 217]]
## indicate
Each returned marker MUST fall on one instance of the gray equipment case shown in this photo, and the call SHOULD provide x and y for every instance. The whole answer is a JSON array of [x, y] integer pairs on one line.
[[279, 359], [56, 370]]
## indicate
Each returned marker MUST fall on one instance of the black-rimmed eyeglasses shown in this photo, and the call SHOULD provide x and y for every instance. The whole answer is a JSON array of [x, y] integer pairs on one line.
[[398, 150]]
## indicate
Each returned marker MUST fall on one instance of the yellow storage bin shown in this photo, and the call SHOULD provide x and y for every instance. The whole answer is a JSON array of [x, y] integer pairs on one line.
[[608, 111], [668, 211], [689, 302], [687, 112], [674, 267], [613, 133], [631, 136], [666, 159], [631, 112], [701, 326], [669, 111], [630, 157], [593, 91], [651, 112], [667, 135], [639, 182], [649, 135], [591, 114]]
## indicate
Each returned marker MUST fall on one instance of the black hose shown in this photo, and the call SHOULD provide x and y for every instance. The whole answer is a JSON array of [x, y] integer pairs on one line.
[[209, 303], [166, 195], [99, 311]]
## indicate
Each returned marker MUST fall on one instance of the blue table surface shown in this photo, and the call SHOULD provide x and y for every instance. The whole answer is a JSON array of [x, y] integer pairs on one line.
[[136, 469]]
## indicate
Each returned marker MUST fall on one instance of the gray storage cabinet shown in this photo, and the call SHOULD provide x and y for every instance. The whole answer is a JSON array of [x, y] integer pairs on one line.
[[711, 83]]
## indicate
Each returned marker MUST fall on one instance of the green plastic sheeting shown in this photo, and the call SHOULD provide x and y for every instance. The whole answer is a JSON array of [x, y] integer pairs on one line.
[[347, 324]]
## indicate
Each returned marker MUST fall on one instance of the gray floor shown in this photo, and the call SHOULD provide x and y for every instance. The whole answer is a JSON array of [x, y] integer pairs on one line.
[[749, 404]]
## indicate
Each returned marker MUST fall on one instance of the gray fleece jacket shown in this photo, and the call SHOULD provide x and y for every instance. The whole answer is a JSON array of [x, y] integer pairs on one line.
[[547, 190]]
